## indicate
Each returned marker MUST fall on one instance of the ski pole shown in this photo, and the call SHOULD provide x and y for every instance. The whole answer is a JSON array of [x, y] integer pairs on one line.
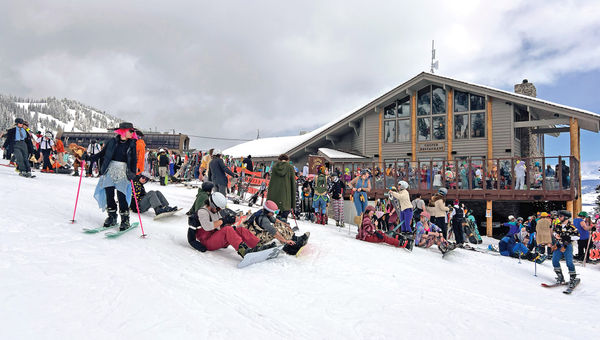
[[587, 248], [294, 216], [78, 187], [137, 208], [535, 267]]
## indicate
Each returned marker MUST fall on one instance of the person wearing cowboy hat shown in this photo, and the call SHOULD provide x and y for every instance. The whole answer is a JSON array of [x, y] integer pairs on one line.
[[18, 142], [118, 168], [564, 233]]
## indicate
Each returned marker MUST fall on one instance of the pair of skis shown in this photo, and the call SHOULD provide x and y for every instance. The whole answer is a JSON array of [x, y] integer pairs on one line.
[[567, 291]]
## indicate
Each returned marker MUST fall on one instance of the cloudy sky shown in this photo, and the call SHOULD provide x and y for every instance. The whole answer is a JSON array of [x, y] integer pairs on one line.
[[228, 68]]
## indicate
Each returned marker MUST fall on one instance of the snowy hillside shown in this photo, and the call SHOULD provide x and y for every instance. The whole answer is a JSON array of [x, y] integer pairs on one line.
[[51, 114], [58, 283]]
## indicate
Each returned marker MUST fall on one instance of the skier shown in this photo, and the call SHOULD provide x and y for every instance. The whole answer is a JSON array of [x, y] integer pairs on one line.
[[214, 233], [46, 145], [152, 199], [564, 233], [337, 197], [406, 213], [360, 185], [117, 170], [92, 149], [282, 187], [368, 232], [18, 142], [428, 234], [320, 198], [439, 210], [163, 167]]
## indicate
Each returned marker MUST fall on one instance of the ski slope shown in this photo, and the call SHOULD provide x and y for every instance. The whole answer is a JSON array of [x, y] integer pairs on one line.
[[58, 283]]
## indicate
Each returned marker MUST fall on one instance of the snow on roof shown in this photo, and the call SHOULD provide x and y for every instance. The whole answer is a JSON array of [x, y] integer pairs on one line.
[[333, 154], [265, 147]]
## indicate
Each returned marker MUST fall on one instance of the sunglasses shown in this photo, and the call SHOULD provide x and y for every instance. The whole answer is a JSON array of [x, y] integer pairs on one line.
[[131, 130]]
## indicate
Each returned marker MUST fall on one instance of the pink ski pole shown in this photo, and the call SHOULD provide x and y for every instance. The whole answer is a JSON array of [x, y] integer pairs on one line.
[[138, 209], [78, 187]]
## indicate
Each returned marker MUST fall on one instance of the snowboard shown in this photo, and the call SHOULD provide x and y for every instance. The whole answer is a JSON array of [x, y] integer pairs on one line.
[[570, 290], [118, 233], [166, 214], [259, 256]]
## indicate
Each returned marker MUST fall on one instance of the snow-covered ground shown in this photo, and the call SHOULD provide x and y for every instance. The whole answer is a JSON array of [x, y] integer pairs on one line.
[[57, 283]]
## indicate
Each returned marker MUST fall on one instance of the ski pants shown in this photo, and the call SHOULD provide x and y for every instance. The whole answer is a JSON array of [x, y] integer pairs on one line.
[[320, 204], [153, 199], [379, 237], [338, 209], [90, 167], [46, 156], [458, 232], [111, 204], [21, 153], [222, 188], [568, 254], [519, 185], [582, 247], [360, 202], [191, 236], [406, 218], [441, 222], [217, 239]]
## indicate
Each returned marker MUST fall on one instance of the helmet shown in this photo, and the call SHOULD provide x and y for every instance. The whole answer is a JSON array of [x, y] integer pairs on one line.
[[583, 214], [207, 186], [564, 213], [217, 152], [218, 200], [161, 150], [270, 206], [403, 185], [443, 191]]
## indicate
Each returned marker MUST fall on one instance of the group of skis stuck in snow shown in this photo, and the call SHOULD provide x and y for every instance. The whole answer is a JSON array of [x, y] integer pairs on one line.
[[262, 235]]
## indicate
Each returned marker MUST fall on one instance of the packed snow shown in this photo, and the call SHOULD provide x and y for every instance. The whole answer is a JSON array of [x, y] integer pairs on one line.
[[57, 282]]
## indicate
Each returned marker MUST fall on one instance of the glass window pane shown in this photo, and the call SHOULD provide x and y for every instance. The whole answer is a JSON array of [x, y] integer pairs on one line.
[[389, 131], [461, 101], [439, 128], [477, 103], [404, 107], [424, 102], [439, 100], [461, 126], [477, 124], [424, 129], [404, 130], [389, 111]]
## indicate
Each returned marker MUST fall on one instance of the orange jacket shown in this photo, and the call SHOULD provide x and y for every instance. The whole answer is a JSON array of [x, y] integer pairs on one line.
[[140, 148], [60, 147]]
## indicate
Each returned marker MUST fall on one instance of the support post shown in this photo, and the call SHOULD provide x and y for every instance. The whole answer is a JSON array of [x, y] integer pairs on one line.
[[570, 207], [575, 152], [413, 127], [380, 139], [450, 124], [490, 143], [488, 219]]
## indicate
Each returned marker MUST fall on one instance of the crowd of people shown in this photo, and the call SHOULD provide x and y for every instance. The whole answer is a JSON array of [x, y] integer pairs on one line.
[[124, 165]]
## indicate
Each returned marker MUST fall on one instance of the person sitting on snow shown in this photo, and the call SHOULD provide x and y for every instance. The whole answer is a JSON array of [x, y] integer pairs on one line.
[[428, 234], [152, 199], [264, 225], [214, 233], [368, 232]]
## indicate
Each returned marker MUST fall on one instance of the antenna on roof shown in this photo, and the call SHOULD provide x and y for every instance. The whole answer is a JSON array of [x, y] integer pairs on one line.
[[257, 133], [434, 63]]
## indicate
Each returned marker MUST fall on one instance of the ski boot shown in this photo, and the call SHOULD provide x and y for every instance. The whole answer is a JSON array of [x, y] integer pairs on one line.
[[337, 223], [574, 280], [443, 247], [124, 220], [324, 220], [111, 220], [267, 246], [76, 173], [161, 210], [300, 242], [408, 244], [560, 279], [317, 218], [243, 249], [342, 224]]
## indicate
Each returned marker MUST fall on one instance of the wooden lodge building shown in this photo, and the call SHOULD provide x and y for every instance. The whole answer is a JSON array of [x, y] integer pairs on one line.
[[154, 140], [434, 131]]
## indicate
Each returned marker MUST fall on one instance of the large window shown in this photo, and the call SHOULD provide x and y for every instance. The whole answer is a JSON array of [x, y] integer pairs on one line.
[[396, 125], [469, 115], [431, 109]]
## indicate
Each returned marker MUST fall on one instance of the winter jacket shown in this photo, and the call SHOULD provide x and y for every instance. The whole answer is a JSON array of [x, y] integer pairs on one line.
[[458, 217], [583, 234], [138, 189], [249, 165], [506, 245], [403, 198], [9, 142], [163, 159], [321, 185], [437, 208], [366, 228], [567, 233], [108, 151], [45, 143], [201, 198], [337, 190], [514, 228], [282, 186], [543, 231], [218, 172], [140, 149], [60, 147], [421, 230], [93, 149]]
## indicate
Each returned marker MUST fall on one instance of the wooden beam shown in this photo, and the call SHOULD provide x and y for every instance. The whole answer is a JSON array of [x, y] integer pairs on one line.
[[490, 142], [332, 139], [575, 152], [540, 131], [354, 125], [413, 127], [488, 218], [450, 123], [542, 122]]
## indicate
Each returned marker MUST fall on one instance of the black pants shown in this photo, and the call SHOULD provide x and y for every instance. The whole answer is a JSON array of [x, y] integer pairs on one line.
[[582, 246], [110, 200], [22, 156], [441, 222], [153, 199], [458, 232], [191, 236], [90, 166], [46, 155]]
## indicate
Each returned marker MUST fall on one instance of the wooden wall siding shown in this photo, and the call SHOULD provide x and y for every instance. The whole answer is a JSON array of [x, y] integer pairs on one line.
[[516, 148], [476, 147], [344, 143], [357, 141], [501, 126], [396, 150], [372, 130]]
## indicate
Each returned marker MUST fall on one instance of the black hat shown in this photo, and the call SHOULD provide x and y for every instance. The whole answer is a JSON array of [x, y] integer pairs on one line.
[[25, 123], [564, 213], [124, 125], [139, 133], [19, 121]]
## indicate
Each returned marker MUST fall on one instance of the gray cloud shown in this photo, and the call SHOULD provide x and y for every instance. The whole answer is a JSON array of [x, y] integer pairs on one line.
[[229, 68]]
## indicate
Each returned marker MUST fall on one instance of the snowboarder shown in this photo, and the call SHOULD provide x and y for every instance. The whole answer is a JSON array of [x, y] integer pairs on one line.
[[564, 232], [152, 199], [368, 232], [428, 234], [117, 170], [18, 142], [320, 198], [406, 213]]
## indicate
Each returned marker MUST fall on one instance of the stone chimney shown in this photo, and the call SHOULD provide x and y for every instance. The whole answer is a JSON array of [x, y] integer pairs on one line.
[[526, 88]]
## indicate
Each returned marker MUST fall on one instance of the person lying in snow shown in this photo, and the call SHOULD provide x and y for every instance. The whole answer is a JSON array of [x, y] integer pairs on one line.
[[368, 231], [429, 234], [516, 247], [215, 231], [152, 199]]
